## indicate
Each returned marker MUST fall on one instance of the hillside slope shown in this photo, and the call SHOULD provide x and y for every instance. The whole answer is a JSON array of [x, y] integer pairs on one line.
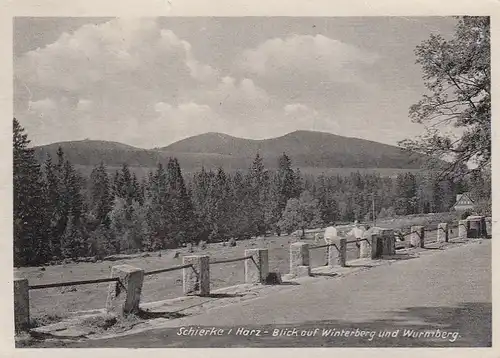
[[306, 149]]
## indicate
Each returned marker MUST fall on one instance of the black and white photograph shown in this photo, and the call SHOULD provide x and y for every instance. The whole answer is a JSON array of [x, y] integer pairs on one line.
[[252, 181]]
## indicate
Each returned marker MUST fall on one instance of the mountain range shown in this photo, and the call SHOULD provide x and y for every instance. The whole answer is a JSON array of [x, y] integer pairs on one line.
[[307, 149]]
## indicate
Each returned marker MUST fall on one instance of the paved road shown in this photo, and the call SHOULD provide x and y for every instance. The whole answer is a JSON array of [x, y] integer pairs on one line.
[[446, 293]]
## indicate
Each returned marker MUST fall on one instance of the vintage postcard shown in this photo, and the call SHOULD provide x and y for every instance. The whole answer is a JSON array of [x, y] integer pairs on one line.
[[264, 181]]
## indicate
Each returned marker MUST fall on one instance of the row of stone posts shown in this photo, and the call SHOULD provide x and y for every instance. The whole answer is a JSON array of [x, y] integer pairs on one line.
[[417, 235], [380, 243], [196, 279], [124, 294]]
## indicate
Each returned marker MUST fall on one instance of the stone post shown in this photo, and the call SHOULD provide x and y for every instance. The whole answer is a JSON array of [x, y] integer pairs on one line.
[[488, 227], [257, 268], [389, 241], [417, 236], [462, 229], [442, 232], [370, 247], [365, 248], [337, 254], [476, 227], [196, 279], [299, 259], [484, 232], [124, 296], [21, 304]]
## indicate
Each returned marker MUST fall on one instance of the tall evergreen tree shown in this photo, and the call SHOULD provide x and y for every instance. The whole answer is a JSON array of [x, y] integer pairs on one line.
[[156, 210], [101, 197], [181, 213], [287, 180], [30, 219], [52, 190], [257, 181], [74, 240]]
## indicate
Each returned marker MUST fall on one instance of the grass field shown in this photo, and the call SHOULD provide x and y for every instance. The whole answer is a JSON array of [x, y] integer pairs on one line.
[[55, 303]]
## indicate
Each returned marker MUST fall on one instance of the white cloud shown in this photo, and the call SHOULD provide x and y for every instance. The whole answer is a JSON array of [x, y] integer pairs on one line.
[[296, 107], [239, 99], [175, 122], [316, 70], [42, 106], [334, 60], [307, 118], [120, 47]]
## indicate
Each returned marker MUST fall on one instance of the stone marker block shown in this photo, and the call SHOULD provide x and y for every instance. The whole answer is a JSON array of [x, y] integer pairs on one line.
[[376, 247], [417, 236], [368, 247], [21, 304], [337, 254], [389, 241], [488, 227], [386, 241], [299, 256], [442, 232], [196, 279], [124, 296], [332, 252], [379, 249], [256, 270], [463, 226], [476, 227]]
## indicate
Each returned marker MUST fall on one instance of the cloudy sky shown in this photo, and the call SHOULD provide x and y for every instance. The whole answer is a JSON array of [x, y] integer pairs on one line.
[[149, 82]]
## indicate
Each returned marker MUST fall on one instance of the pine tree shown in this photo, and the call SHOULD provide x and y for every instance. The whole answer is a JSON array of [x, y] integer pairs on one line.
[[74, 239], [271, 205], [100, 195], [287, 180], [128, 226], [181, 211], [221, 202], [74, 244], [30, 219], [257, 182], [52, 191], [325, 195], [156, 210], [201, 195], [241, 223]]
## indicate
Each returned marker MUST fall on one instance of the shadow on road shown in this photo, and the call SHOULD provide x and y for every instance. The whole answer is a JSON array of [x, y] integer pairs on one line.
[[224, 295], [468, 325], [358, 265], [399, 257], [323, 274], [146, 314]]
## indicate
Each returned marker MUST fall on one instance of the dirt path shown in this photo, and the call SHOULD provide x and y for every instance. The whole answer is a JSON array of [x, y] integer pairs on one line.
[[449, 291]]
